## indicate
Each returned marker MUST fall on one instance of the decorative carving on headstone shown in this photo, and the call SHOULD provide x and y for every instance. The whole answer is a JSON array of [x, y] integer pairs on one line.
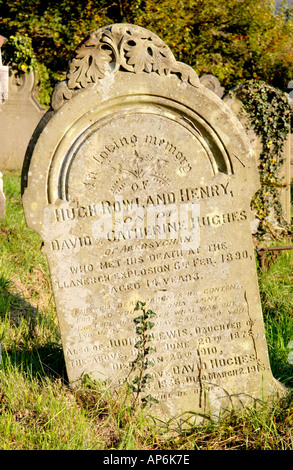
[[119, 47]]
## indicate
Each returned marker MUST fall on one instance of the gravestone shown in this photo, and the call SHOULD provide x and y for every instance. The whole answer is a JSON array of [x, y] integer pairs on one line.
[[4, 72], [2, 198], [290, 89], [212, 83], [140, 185], [19, 116]]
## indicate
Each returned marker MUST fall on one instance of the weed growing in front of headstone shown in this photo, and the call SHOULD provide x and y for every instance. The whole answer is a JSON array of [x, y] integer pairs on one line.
[[142, 361]]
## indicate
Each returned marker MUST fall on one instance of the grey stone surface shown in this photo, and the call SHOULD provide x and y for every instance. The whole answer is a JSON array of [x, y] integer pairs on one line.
[[212, 83], [140, 185], [19, 116], [4, 73], [290, 89]]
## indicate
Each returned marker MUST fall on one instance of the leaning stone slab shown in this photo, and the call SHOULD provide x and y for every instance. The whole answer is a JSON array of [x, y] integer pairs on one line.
[[4, 73], [140, 185], [19, 116]]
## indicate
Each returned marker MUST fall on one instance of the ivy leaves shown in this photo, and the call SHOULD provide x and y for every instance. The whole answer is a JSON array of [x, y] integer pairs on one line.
[[142, 362], [269, 110], [142, 320], [270, 115]]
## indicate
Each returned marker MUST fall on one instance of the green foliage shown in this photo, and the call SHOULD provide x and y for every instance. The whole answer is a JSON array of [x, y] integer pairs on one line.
[[270, 115], [235, 40], [276, 291], [55, 29], [19, 53], [142, 362]]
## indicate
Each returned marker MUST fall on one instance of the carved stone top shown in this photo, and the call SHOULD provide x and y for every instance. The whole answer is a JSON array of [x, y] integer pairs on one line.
[[116, 47]]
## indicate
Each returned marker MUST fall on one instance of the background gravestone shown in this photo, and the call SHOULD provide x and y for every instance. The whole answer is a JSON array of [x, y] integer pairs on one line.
[[4, 72], [140, 185], [212, 83], [290, 89], [19, 116]]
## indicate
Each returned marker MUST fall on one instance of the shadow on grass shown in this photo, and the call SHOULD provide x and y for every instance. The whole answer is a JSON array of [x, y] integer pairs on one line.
[[24, 335], [39, 362]]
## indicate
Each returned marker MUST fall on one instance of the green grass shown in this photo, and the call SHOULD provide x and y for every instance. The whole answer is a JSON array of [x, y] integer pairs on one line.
[[276, 289], [39, 411]]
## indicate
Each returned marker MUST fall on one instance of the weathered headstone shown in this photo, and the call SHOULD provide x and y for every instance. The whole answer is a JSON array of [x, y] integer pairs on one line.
[[4, 73], [2, 198], [290, 89], [140, 186], [19, 116], [212, 83]]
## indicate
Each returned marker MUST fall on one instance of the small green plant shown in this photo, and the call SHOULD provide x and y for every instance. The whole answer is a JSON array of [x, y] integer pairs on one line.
[[142, 361]]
